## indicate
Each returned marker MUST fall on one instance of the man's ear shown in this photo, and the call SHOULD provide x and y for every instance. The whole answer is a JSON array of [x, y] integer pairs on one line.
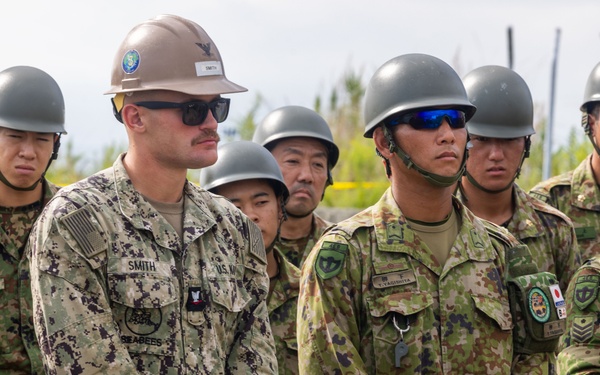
[[381, 143], [132, 118]]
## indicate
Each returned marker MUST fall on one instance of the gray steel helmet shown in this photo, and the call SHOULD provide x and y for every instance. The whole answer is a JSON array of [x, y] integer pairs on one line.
[[243, 160], [412, 82], [503, 101], [592, 89], [31, 100], [295, 121]]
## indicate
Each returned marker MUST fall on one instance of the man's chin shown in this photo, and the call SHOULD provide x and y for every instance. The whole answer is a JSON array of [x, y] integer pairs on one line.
[[299, 212]]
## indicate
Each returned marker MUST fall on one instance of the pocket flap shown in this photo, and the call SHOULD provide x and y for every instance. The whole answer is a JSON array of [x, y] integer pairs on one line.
[[406, 303], [496, 310], [141, 291]]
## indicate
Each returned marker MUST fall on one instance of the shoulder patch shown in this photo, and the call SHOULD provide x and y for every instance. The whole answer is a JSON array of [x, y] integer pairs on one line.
[[539, 306], [79, 224], [257, 247], [330, 259], [586, 290]]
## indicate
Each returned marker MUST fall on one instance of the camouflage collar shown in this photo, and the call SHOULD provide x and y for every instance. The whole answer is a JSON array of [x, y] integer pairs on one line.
[[286, 283], [585, 193], [525, 222], [144, 216], [395, 235]]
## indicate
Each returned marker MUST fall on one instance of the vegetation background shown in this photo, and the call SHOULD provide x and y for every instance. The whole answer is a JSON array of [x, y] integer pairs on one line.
[[359, 175]]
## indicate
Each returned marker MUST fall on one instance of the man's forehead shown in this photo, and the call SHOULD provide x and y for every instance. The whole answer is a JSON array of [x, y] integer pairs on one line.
[[301, 145], [2, 128]]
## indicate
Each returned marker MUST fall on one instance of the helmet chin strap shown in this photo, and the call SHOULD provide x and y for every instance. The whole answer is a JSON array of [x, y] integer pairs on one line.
[[588, 130], [35, 184], [435, 179], [489, 191], [284, 216]]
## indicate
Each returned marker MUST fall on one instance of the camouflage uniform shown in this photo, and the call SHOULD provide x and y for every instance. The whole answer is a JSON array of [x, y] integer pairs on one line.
[[297, 250], [116, 290], [580, 346], [576, 194], [372, 272], [282, 303], [548, 234], [19, 350]]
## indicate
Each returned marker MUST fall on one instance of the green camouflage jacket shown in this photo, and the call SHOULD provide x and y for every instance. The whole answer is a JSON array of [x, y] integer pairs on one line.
[[19, 350], [117, 291], [580, 346], [283, 303], [547, 232], [371, 289], [297, 250], [577, 195]]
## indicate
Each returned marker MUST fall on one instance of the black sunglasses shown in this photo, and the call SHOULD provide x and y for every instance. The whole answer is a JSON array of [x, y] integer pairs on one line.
[[194, 112], [431, 119]]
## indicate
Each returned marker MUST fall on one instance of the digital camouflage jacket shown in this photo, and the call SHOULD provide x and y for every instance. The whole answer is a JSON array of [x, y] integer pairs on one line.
[[283, 303], [19, 350], [117, 291], [577, 195], [580, 346], [374, 300], [547, 232], [297, 250]]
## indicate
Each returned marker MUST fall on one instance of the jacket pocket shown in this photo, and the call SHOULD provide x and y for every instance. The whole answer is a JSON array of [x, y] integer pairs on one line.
[[412, 312], [145, 308]]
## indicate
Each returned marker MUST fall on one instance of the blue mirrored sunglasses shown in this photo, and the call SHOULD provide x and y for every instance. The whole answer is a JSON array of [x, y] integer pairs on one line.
[[429, 119], [194, 112]]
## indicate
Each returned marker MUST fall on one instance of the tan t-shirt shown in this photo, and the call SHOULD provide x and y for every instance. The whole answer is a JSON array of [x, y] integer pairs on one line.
[[439, 236], [172, 212]]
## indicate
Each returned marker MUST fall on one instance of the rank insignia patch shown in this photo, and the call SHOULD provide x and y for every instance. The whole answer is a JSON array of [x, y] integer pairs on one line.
[[330, 259], [586, 290], [538, 305], [583, 328], [196, 300]]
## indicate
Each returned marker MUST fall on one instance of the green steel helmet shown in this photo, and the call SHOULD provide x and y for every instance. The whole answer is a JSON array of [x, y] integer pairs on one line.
[[503, 101], [295, 121], [592, 89], [31, 100], [243, 160], [412, 82]]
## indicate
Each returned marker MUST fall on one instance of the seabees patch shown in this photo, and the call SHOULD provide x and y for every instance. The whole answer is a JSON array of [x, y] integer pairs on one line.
[[331, 259]]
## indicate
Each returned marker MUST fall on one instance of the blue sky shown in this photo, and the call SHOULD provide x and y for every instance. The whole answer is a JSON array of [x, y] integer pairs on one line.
[[290, 51]]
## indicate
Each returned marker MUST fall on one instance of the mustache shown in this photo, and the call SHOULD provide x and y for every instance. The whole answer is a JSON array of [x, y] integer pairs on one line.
[[207, 134]]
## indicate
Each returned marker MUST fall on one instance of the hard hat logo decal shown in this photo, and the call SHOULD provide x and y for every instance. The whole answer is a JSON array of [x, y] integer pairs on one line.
[[131, 61], [205, 47]]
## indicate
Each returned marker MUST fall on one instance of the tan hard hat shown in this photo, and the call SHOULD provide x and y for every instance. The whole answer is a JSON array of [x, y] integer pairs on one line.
[[170, 53]]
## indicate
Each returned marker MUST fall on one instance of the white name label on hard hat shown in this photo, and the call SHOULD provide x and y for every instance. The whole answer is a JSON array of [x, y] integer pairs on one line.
[[209, 68]]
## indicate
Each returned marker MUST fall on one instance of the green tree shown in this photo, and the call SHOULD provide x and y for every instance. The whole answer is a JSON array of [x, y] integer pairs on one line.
[[71, 167], [68, 168], [359, 176]]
